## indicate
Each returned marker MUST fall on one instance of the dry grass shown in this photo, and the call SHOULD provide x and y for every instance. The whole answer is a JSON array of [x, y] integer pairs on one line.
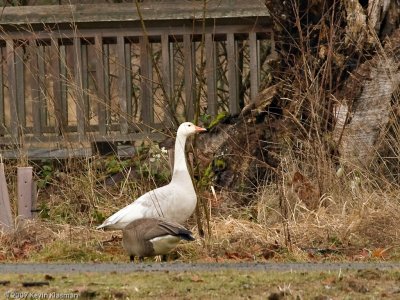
[[349, 226]]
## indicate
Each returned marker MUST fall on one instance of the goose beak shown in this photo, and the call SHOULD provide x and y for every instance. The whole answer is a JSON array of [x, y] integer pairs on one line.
[[200, 129]]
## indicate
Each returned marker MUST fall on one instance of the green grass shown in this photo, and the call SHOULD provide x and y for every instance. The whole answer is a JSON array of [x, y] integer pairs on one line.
[[367, 284]]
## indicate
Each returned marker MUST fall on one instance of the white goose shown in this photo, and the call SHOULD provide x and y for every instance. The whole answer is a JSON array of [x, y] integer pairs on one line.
[[175, 201]]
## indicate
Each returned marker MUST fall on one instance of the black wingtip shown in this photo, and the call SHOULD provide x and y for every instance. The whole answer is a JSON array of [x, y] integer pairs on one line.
[[186, 235]]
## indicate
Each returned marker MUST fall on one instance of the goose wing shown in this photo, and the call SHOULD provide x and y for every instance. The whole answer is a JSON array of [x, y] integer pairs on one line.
[[151, 204], [164, 228]]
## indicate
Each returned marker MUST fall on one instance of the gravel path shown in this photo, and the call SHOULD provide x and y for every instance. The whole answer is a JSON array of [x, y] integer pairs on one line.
[[181, 267]]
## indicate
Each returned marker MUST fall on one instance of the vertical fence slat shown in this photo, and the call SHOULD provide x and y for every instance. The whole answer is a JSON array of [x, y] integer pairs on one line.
[[25, 193], [190, 76], [166, 73], [12, 86], [2, 112], [211, 75], [128, 76], [56, 78], [80, 104], [122, 84], [254, 70], [42, 87], [35, 88], [106, 64], [63, 86], [101, 104], [146, 82], [85, 81], [233, 74], [6, 221], [20, 86]]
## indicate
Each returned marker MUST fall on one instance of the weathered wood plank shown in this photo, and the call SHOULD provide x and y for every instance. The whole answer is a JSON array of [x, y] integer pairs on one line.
[[55, 72], [85, 82], [78, 89], [35, 88], [196, 31], [12, 87], [233, 74], [189, 75], [124, 12], [100, 78], [42, 90], [123, 97], [106, 63], [20, 86], [254, 66], [6, 221], [211, 77], [63, 86], [24, 188], [128, 76], [146, 82], [166, 71]]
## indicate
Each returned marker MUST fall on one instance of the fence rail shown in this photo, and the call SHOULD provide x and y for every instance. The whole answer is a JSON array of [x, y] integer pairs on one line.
[[93, 73]]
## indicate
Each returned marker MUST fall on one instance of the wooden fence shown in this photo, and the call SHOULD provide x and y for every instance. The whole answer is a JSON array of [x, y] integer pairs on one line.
[[77, 74]]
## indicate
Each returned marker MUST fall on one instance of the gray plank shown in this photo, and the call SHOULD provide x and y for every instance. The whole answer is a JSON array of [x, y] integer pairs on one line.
[[123, 12], [35, 89], [12, 87], [100, 77], [6, 221], [25, 193], [123, 97], [233, 74], [254, 68], [64, 82], [128, 76], [43, 119], [106, 63], [146, 82], [166, 70], [20, 86], [85, 81], [87, 33], [211, 75], [190, 76], [56, 79], [80, 103]]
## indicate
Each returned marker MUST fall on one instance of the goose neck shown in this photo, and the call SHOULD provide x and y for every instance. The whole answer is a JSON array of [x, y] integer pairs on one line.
[[180, 165]]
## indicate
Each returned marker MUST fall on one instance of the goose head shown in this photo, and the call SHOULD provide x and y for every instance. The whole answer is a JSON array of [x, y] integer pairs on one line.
[[187, 129]]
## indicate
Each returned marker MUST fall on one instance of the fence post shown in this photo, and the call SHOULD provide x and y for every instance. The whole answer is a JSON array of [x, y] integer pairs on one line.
[[6, 221], [25, 192]]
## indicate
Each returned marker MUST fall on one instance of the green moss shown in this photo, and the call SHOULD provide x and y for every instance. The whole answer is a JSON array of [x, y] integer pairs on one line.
[[219, 164], [218, 118]]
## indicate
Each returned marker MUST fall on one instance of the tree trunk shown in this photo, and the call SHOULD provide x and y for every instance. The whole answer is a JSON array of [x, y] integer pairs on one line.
[[366, 105]]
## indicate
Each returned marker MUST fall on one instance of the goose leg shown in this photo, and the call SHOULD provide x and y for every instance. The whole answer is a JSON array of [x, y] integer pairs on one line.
[[164, 257]]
